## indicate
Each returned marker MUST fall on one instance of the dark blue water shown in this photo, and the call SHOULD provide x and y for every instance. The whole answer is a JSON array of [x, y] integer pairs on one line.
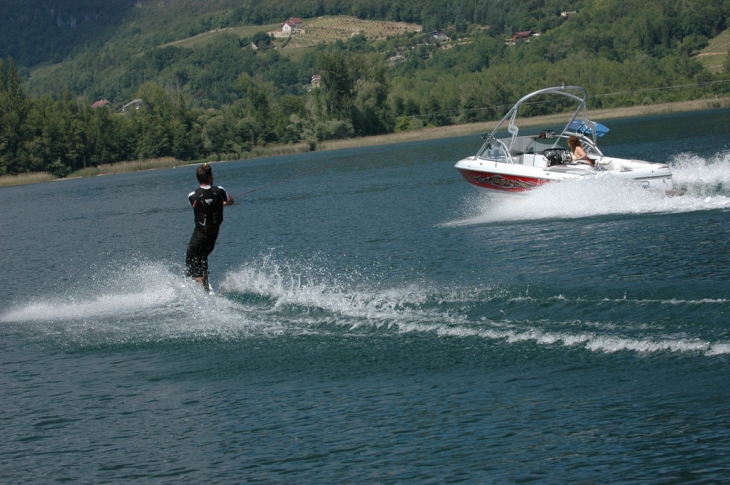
[[377, 321]]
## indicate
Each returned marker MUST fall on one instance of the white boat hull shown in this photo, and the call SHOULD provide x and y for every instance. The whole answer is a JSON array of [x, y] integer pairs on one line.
[[511, 177]]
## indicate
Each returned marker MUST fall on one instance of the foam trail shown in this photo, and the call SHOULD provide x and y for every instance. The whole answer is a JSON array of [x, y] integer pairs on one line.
[[702, 177], [273, 298], [130, 289], [133, 303], [102, 306], [589, 341], [295, 292], [290, 286]]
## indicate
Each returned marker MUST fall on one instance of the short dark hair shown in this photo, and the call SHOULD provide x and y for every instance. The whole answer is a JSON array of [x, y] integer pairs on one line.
[[204, 173]]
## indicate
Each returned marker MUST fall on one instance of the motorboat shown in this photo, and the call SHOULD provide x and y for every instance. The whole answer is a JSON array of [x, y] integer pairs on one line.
[[519, 163]]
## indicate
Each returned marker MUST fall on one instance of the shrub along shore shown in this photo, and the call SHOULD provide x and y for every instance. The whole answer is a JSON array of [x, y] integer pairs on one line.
[[402, 137]]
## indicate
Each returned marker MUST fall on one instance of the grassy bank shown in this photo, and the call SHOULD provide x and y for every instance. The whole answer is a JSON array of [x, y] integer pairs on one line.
[[424, 134], [124, 167], [556, 119], [26, 178], [150, 164]]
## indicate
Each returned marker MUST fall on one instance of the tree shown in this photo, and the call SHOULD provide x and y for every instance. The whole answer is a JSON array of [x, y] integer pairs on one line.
[[371, 113], [166, 126], [337, 84], [261, 39], [14, 107]]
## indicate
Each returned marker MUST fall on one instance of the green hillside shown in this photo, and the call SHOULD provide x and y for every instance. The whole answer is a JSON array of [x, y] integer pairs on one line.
[[243, 32], [39, 32], [216, 82], [713, 56], [112, 48]]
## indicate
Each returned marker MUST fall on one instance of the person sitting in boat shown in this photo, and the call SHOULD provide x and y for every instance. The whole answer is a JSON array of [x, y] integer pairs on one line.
[[578, 154]]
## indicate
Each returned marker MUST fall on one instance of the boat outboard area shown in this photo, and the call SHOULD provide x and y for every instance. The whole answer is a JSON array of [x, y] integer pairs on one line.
[[519, 163]]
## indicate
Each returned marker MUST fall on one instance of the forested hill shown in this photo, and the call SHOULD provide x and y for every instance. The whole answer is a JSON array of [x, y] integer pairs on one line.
[[213, 82], [109, 49], [40, 31], [43, 31]]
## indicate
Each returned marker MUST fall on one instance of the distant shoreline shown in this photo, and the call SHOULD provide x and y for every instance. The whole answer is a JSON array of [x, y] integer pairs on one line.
[[391, 138], [560, 118]]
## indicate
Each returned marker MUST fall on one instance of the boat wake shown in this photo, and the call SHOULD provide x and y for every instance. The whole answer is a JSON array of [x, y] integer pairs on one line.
[[706, 182], [702, 177], [150, 303]]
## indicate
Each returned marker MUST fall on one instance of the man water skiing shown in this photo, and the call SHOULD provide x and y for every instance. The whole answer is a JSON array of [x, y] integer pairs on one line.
[[208, 202]]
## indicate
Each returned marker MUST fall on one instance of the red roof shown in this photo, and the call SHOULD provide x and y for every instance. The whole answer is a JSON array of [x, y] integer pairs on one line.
[[294, 22]]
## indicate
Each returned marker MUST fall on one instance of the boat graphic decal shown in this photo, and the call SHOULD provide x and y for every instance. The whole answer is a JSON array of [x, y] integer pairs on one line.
[[500, 182]]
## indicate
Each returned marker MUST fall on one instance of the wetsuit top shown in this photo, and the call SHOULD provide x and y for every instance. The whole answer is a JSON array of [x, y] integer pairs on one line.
[[207, 205]]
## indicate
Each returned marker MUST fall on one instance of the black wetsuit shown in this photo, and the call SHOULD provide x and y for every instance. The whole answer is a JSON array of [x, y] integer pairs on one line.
[[207, 205]]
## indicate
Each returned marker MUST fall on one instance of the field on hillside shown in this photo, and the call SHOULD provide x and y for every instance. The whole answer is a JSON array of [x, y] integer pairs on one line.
[[317, 30], [713, 56], [245, 31], [330, 29]]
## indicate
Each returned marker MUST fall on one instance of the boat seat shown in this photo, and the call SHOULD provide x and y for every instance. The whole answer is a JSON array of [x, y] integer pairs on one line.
[[581, 168]]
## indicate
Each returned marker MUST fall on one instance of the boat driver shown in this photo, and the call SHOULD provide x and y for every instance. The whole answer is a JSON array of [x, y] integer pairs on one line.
[[578, 154]]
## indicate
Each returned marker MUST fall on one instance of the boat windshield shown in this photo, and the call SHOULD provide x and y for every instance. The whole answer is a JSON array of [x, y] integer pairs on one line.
[[535, 144], [538, 144], [493, 151]]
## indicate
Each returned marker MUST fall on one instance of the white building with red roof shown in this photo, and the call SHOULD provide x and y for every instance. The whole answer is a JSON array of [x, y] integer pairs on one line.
[[292, 26]]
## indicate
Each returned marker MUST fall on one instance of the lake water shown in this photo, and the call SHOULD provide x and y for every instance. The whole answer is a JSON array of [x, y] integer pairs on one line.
[[376, 320]]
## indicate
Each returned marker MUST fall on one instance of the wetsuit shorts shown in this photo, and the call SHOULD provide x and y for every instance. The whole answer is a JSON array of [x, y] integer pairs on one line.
[[201, 245]]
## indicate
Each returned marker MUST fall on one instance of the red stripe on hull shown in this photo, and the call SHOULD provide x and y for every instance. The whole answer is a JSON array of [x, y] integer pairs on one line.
[[507, 183]]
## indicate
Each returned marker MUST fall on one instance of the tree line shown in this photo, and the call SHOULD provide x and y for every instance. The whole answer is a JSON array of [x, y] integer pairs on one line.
[[357, 97], [63, 134]]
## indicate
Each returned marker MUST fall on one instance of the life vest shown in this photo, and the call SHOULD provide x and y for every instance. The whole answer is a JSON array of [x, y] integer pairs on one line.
[[207, 206]]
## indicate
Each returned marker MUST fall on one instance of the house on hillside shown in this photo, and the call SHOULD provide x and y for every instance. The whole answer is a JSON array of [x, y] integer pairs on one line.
[[292, 26], [524, 35], [568, 14], [133, 105], [102, 103], [316, 82], [440, 36]]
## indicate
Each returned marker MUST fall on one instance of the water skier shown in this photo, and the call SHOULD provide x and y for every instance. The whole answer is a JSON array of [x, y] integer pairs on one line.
[[207, 202]]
